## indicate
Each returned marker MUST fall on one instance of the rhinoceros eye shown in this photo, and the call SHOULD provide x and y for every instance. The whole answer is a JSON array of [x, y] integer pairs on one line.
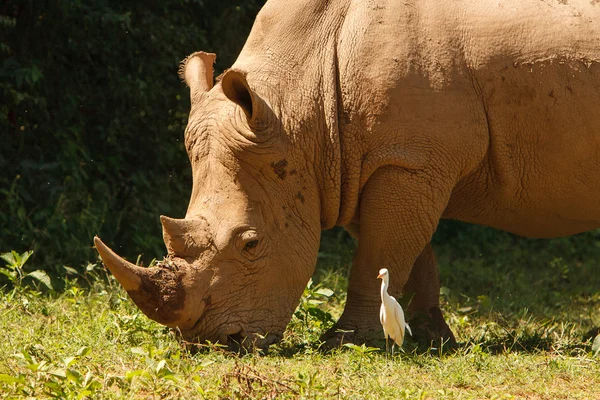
[[249, 244]]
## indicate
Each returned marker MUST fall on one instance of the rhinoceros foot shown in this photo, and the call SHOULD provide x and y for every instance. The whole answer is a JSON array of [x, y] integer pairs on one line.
[[430, 331]]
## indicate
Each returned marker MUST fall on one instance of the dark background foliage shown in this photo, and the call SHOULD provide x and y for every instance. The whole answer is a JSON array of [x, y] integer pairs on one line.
[[92, 115]]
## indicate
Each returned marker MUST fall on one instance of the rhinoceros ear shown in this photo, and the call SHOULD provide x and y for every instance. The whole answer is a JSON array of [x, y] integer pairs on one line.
[[236, 88], [197, 71]]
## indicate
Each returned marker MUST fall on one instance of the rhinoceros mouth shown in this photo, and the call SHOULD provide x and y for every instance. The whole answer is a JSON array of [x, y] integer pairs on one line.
[[239, 342], [235, 342]]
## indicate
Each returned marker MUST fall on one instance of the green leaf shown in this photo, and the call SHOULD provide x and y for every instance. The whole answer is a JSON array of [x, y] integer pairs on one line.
[[88, 378], [129, 375], [24, 355], [69, 270], [58, 372], [138, 350], [11, 379], [90, 267], [9, 274], [484, 301], [24, 257], [36, 366], [321, 315], [160, 366], [42, 277], [362, 349], [74, 376], [168, 375], [10, 259], [206, 363], [16, 260], [56, 387], [325, 292], [84, 394], [68, 361], [596, 345], [84, 351], [94, 385], [35, 74]]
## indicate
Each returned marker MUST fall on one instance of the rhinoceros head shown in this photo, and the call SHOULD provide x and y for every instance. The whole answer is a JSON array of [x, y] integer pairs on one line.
[[239, 260]]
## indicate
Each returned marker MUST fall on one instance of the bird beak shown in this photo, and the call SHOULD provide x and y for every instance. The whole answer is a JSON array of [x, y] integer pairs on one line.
[[379, 276]]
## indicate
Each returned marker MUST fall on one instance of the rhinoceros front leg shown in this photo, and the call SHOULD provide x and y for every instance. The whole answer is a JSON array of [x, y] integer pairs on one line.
[[399, 212]]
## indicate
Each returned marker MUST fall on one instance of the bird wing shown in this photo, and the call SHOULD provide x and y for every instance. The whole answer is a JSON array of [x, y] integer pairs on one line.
[[399, 313], [399, 317], [408, 329]]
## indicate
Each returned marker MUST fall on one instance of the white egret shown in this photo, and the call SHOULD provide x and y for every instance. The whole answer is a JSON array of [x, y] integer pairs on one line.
[[391, 314]]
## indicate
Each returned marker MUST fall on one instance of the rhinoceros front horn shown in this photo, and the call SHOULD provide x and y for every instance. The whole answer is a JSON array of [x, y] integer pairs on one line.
[[157, 291], [129, 275]]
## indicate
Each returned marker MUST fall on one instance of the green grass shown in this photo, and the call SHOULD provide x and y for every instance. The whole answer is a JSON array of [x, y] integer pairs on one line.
[[521, 311]]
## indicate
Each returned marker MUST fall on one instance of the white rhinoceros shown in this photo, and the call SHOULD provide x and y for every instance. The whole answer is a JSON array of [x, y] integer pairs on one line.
[[382, 117]]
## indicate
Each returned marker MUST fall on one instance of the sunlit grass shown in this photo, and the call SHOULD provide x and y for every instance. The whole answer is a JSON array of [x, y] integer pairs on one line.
[[523, 328], [99, 345]]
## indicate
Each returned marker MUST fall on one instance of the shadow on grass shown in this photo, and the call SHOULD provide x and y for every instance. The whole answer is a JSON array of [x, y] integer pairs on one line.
[[516, 294], [505, 292]]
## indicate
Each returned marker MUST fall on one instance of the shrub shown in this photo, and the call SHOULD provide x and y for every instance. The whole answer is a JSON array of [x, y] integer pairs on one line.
[[92, 119]]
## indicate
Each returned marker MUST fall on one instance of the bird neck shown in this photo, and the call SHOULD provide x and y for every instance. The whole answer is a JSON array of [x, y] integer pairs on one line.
[[384, 287]]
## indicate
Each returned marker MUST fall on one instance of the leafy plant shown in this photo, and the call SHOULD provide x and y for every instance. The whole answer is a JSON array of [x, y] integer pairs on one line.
[[309, 310], [92, 134], [82, 345], [56, 379], [596, 346], [13, 270]]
